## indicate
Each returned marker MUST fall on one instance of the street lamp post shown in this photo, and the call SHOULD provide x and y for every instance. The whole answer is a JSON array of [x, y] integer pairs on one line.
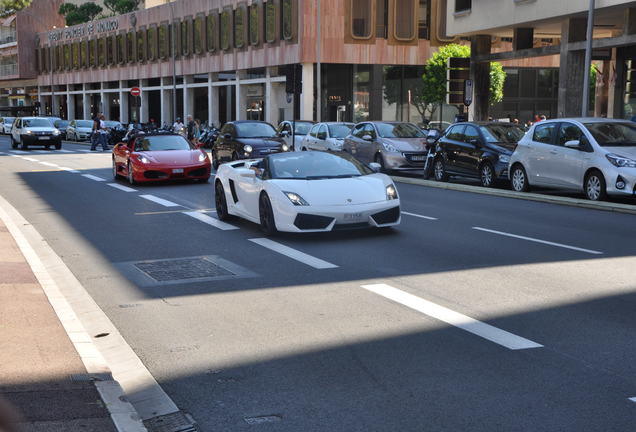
[[174, 64], [318, 63], [588, 61]]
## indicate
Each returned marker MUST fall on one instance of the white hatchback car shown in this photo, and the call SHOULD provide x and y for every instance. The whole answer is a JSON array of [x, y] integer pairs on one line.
[[326, 136], [593, 155]]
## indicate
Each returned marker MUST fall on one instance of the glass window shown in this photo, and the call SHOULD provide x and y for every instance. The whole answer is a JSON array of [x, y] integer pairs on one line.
[[322, 132], [361, 19], [287, 20], [545, 87], [423, 19], [369, 130], [255, 38], [315, 165], [404, 22], [314, 131], [382, 19], [199, 37], [511, 84], [528, 80], [462, 5], [357, 131], [67, 56], [111, 49], [59, 57], [399, 130], [270, 21], [212, 31], [36, 122], [302, 128], [456, 133], [76, 59], [226, 29], [569, 132], [544, 133], [163, 41], [470, 134], [141, 46], [255, 130], [613, 134], [239, 27], [101, 51], [340, 130], [151, 34], [130, 46], [121, 49], [502, 133]]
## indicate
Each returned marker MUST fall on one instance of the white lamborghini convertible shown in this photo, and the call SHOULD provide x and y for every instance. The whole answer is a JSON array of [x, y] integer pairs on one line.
[[308, 191]]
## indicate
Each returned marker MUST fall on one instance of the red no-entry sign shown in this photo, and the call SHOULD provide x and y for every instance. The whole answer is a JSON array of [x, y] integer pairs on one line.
[[135, 91]]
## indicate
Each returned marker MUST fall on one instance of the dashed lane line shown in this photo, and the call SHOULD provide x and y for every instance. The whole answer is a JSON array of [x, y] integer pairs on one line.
[[419, 216], [92, 177], [19, 152], [71, 170], [463, 322], [64, 151], [161, 201], [121, 187], [30, 159], [48, 164], [210, 221], [294, 254], [545, 242]]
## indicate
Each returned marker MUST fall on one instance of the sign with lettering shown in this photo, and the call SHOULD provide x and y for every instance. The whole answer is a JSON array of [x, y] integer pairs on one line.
[[87, 29]]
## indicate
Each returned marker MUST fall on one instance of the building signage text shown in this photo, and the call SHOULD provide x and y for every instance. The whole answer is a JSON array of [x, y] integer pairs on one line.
[[84, 30]]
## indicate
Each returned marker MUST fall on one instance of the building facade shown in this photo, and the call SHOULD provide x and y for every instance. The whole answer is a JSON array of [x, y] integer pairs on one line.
[[229, 58]]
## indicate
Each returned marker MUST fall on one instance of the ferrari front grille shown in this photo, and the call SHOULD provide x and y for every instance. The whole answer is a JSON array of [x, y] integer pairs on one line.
[[199, 172], [155, 174], [387, 216], [305, 221]]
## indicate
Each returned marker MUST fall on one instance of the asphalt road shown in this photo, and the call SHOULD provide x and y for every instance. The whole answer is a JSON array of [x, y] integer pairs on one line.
[[477, 313]]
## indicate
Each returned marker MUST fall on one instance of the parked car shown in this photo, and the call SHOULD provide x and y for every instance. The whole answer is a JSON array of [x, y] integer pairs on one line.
[[476, 149], [159, 156], [436, 124], [31, 131], [306, 192], [593, 155], [79, 130], [116, 132], [395, 146], [302, 129], [326, 136], [62, 125], [246, 139], [7, 124]]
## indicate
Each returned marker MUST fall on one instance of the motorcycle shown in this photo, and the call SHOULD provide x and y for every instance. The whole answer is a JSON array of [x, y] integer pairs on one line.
[[431, 141]]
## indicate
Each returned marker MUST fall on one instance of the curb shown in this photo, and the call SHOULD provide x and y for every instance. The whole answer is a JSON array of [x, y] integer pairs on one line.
[[571, 202], [122, 413]]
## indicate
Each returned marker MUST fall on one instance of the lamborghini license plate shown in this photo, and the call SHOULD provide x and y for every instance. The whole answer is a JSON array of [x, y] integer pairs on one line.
[[353, 216]]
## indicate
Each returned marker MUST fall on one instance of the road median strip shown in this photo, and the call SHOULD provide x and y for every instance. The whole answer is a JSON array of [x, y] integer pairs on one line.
[[549, 199]]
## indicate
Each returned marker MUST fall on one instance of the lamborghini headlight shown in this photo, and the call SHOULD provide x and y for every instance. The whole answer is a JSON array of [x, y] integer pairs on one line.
[[296, 199], [391, 192]]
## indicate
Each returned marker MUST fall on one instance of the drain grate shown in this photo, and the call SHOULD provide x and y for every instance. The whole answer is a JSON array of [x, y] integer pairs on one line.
[[175, 422], [182, 269]]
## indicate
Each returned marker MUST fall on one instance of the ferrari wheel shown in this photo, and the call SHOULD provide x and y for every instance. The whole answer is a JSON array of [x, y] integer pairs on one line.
[[220, 202], [115, 173], [268, 224], [131, 176]]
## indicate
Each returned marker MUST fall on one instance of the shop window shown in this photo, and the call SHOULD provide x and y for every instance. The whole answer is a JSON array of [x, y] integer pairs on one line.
[[101, 51], [463, 5], [270, 22], [361, 19], [111, 49], [239, 26], [59, 57], [141, 46], [424, 17], [287, 24], [121, 49], [226, 29], [254, 27], [185, 47], [382, 19], [92, 50], [199, 34], [151, 36], [83, 54], [163, 36], [404, 24], [76, 59], [212, 31], [67, 56], [130, 46]]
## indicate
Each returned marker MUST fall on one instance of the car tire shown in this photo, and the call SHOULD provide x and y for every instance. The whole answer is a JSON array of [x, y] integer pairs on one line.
[[487, 175], [115, 171], [14, 144], [235, 156], [58, 146], [380, 160], [519, 179], [130, 175], [48, 147], [439, 170], [23, 145], [220, 202], [304, 149], [266, 214], [595, 186]]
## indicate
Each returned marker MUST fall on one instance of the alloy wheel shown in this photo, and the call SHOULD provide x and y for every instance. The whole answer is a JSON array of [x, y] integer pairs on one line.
[[487, 175], [519, 180], [131, 176], [266, 215], [115, 174], [440, 171], [594, 187]]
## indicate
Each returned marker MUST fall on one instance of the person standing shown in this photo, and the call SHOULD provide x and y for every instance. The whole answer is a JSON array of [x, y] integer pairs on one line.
[[177, 126], [102, 133], [191, 126], [95, 132]]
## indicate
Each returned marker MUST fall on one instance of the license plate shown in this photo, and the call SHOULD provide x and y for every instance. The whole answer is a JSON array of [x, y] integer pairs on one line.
[[44, 138], [353, 216], [418, 158], [177, 171]]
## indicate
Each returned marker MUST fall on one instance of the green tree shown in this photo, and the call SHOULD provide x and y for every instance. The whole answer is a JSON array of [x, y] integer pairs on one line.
[[7, 7], [118, 7], [74, 14]]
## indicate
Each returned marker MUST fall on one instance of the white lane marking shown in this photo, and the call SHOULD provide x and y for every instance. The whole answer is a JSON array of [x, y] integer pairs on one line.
[[121, 187], [16, 156], [419, 216], [71, 170], [19, 152], [92, 177], [64, 151], [481, 329], [293, 254], [30, 159], [85, 151], [2, 153], [161, 201], [633, 399], [211, 221], [48, 164], [41, 151], [549, 243]]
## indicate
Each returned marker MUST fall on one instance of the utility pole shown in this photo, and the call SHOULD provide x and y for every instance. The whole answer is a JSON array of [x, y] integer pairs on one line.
[[318, 63], [174, 63], [588, 61]]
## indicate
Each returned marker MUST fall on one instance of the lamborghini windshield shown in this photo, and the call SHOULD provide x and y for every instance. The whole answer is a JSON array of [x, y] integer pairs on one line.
[[315, 166]]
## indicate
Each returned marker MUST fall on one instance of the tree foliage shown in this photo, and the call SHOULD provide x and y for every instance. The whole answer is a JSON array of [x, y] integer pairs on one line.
[[118, 7], [74, 14], [8, 7]]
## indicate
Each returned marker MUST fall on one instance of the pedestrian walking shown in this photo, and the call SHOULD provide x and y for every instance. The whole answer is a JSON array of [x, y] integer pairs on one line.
[[102, 133], [95, 132], [191, 126]]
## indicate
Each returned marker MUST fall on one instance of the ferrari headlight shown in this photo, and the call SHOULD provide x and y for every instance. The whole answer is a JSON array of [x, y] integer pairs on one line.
[[390, 148], [284, 147], [620, 161], [144, 159], [248, 148], [391, 193], [296, 199], [202, 157]]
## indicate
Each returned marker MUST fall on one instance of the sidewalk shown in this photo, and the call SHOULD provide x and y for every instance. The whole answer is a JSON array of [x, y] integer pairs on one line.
[[41, 373]]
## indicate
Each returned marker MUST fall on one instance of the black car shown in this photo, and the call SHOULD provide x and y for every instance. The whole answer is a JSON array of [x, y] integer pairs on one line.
[[476, 149], [245, 140], [61, 125]]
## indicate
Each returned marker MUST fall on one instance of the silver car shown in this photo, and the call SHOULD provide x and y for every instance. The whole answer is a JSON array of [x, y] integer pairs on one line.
[[79, 130], [6, 124], [300, 131], [593, 155], [326, 136], [395, 146]]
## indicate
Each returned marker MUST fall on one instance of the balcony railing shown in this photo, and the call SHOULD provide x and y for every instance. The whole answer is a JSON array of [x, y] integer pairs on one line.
[[8, 70], [7, 36]]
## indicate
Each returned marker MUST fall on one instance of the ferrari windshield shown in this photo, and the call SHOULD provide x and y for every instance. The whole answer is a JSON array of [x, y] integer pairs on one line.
[[399, 130], [340, 130], [36, 122], [162, 143], [315, 166], [255, 130], [613, 134]]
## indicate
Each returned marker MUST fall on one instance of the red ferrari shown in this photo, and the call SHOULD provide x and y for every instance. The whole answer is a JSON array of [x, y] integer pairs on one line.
[[161, 156]]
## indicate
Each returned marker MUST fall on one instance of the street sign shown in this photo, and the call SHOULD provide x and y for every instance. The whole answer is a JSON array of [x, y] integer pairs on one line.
[[468, 92], [135, 91]]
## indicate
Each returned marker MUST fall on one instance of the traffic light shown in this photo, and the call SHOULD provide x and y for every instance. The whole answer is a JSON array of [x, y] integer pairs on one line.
[[294, 79], [458, 73]]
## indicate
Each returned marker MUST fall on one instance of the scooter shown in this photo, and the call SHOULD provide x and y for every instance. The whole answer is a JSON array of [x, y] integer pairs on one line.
[[431, 141]]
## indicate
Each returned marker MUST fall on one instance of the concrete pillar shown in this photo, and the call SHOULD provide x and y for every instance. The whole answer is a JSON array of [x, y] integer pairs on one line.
[[269, 117], [124, 112], [188, 98], [237, 95], [166, 106], [143, 98], [523, 38], [572, 68], [105, 98], [480, 74], [86, 102], [213, 101], [307, 97], [55, 104], [70, 106]]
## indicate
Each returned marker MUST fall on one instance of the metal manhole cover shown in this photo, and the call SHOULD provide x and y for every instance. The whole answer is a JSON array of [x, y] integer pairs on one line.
[[180, 269], [175, 422]]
